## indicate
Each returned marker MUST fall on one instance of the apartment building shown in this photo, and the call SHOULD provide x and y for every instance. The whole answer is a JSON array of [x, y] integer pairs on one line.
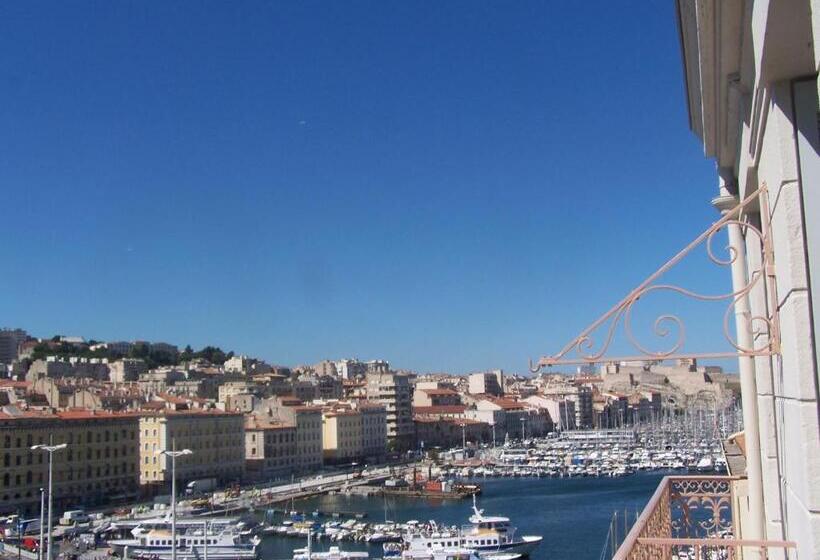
[[341, 435], [309, 430], [99, 464], [489, 383], [216, 437], [233, 388], [308, 422], [126, 370], [395, 392], [436, 397], [560, 410], [450, 432], [581, 395], [271, 448], [350, 369], [374, 431]]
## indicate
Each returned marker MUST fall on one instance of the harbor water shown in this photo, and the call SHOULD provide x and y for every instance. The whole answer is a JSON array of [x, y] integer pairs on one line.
[[572, 514]]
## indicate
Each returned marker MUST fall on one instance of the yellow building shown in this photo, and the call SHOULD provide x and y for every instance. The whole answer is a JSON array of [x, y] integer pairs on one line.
[[308, 421], [98, 465], [216, 437], [353, 432], [341, 434]]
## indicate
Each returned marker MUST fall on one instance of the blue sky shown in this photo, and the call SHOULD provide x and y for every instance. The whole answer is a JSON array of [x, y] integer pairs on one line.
[[448, 185]]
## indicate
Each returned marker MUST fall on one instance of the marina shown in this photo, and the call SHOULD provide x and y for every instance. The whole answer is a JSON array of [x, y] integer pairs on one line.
[[572, 514], [537, 498]]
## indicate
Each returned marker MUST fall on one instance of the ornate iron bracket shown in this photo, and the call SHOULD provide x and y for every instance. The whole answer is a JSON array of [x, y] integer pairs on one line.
[[581, 349]]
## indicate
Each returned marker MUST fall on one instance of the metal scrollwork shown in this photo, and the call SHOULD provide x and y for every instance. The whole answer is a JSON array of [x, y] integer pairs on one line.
[[668, 327]]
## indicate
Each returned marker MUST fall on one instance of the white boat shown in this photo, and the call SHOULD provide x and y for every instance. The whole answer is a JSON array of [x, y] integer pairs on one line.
[[332, 553], [705, 465], [485, 534], [152, 539], [418, 548]]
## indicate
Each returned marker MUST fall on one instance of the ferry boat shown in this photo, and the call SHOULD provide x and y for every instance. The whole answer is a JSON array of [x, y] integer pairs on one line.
[[418, 548], [221, 538], [485, 534]]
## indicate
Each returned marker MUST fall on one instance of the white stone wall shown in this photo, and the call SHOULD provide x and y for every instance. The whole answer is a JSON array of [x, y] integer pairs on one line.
[[786, 383]]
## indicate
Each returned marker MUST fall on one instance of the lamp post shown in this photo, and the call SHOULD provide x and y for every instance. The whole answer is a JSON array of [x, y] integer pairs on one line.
[[50, 449], [523, 420], [42, 522], [173, 454]]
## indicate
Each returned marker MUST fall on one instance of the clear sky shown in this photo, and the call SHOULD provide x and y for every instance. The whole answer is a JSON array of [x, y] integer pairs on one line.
[[447, 185]]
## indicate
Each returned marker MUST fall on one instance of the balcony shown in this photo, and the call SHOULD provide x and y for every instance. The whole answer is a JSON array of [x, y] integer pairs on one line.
[[694, 518]]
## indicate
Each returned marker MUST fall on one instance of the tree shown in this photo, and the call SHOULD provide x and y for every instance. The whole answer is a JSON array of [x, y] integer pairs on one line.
[[187, 354]]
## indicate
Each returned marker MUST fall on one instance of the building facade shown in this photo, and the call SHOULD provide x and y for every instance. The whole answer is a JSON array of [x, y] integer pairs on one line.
[[99, 464], [270, 449], [488, 383], [216, 438], [395, 392], [342, 435], [750, 71]]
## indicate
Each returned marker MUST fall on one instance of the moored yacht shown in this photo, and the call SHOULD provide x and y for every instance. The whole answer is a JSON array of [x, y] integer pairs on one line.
[[418, 548], [218, 539], [485, 534]]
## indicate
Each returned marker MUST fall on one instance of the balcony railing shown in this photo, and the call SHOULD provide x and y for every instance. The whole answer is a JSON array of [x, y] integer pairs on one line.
[[693, 518]]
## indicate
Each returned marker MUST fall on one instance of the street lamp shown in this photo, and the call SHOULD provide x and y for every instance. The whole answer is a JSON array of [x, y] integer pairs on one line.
[[50, 449], [42, 522], [523, 435], [173, 454]]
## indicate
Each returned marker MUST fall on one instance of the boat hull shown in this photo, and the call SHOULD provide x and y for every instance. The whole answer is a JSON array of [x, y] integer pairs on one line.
[[523, 547], [187, 553]]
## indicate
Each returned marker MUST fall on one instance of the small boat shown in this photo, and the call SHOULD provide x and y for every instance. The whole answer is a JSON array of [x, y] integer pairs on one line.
[[705, 465], [332, 553]]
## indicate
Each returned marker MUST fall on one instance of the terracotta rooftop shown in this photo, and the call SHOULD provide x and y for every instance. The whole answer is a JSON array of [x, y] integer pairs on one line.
[[191, 412], [440, 409], [506, 404], [71, 414], [256, 423]]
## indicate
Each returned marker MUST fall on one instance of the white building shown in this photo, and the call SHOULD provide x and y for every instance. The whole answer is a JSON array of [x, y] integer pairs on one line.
[[395, 392], [751, 80], [350, 369], [488, 383]]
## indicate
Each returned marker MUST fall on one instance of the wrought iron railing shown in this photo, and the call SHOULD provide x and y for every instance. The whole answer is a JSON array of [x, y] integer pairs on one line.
[[692, 518]]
